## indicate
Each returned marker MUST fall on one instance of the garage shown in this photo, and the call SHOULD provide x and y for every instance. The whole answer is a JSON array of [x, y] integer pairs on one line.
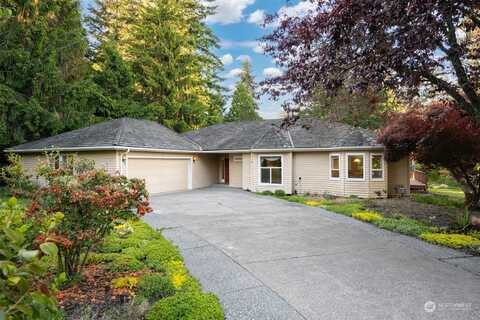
[[162, 174]]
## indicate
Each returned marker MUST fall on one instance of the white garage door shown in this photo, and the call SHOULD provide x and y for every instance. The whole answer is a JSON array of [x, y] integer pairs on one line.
[[161, 175]]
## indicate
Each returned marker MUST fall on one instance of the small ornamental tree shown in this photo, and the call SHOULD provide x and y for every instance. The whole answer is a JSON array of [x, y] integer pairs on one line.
[[91, 201], [442, 135]]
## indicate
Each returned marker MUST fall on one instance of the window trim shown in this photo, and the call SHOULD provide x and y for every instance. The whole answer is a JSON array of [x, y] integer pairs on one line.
[[383, 167], [260, 183], [347, 155], [330, 166]]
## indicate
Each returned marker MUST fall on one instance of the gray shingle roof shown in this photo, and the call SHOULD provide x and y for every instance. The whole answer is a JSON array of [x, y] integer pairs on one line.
[[262, 134], [124, 132], [266, 134]]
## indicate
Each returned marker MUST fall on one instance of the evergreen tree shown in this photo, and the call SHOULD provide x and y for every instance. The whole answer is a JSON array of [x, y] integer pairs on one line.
[[44, 88], [168, 47], [244, 107]]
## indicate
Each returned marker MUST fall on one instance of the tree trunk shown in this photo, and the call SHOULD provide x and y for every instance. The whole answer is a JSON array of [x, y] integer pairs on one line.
[[472, 199]]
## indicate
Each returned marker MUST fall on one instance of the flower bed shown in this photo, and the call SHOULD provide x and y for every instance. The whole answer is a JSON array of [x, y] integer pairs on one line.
[[143, 274]]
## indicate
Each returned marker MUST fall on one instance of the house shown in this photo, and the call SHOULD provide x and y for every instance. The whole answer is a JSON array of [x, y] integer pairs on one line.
[[312, 156]]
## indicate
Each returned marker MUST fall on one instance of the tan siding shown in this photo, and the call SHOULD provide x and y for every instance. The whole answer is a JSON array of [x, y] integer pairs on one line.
[[311, 174], [205, 170], [286, 185], [103, 159], [246, 169], [398, 176], [235, 170]]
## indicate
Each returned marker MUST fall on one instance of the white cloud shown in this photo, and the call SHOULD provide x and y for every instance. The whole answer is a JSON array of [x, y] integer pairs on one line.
[[298, 10], [272, 72], [258, 49], [226, 59], [227, 11], [234, 73], [244, 57], [257, 17]]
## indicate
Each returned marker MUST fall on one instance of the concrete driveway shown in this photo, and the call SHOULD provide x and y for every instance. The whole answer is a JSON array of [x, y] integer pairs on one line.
[[270, 259]]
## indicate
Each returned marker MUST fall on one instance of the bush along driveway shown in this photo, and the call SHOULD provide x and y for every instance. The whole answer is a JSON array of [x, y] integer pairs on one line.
[[266, 258]]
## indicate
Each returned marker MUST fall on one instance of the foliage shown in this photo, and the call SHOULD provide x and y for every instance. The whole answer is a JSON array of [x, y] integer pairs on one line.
[[442, 136], [266, 193], [192, 305], [158, 252], [155, 286], [125, 282], [279, 193], [18, 181], [168, 48], [244, 107], [463, 220], [406, 226], [369, 109], [124, 263], [91, 200], [347, 208], [444, 190], [403, 45], [367, 216], [457, 241], [438, 200], [26, 293], [44, 88]]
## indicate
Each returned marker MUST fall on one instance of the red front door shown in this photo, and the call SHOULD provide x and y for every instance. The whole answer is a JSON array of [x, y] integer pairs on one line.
[[227, 171]]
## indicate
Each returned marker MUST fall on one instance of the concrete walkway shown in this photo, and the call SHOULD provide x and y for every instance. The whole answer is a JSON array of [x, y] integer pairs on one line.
[[270, 259]]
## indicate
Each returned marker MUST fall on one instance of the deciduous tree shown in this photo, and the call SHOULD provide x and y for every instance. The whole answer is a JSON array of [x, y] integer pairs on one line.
[[444, 135], [403, 45]]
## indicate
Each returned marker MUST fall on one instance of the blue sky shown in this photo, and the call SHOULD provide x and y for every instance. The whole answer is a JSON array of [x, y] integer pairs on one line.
[[237, 24]]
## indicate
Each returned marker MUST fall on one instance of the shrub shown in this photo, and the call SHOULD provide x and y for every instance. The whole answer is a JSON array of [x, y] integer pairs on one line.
[[451, 240], [192, 305], [314, 203], [279, 193], [17, 180], [125, 283], [159, 252], [91, 201], [267, 193], [25, 291], [406, 226], [135, 252], [124, 263], [155, 286], [367, 216], [95, 258]]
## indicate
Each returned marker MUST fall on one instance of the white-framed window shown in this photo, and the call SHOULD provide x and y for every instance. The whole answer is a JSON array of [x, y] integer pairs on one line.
[[334, 166], [355, 166], [58, 161], [270, 169], [377, 166]]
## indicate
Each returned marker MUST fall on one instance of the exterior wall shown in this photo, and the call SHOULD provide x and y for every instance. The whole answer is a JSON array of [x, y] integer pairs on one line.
[[398, 177], [246, 169], [235, 162], [311, 173], [103, 159], [205, 170], [287, 164]]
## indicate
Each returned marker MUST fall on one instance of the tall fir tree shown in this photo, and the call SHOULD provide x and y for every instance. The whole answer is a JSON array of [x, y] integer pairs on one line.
[[244, 107], [169, 49], [44, 88]]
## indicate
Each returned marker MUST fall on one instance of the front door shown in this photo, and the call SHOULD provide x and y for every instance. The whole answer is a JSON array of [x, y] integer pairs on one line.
[[227, 171]]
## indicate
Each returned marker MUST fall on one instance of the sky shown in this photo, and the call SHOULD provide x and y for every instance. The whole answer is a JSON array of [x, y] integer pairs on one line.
[[238, 25]]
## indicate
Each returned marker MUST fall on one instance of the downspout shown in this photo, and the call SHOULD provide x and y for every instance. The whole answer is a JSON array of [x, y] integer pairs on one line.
[[124, 167]]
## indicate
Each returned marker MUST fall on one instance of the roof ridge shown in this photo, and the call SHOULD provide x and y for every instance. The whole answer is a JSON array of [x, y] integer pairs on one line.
[[183, 136], [120, 132]]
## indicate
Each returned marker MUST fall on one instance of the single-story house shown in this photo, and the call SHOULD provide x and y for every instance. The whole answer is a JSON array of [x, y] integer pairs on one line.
[[311, 156]]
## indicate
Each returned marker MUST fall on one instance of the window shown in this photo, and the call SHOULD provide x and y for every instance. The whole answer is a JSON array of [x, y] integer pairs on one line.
[[376, 163], [58, 161], [334, 166], [356, 166], [271, 170]]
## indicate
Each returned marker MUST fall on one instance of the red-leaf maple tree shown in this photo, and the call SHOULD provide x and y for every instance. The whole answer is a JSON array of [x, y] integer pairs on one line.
[[443, 135]]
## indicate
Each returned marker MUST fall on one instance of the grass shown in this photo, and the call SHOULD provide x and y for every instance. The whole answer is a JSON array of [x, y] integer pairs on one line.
[[449, 191], [438, 200], [409, 227]]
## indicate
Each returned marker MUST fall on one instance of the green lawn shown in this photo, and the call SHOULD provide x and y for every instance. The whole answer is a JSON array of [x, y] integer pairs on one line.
[[442, 195], [449, 191]]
